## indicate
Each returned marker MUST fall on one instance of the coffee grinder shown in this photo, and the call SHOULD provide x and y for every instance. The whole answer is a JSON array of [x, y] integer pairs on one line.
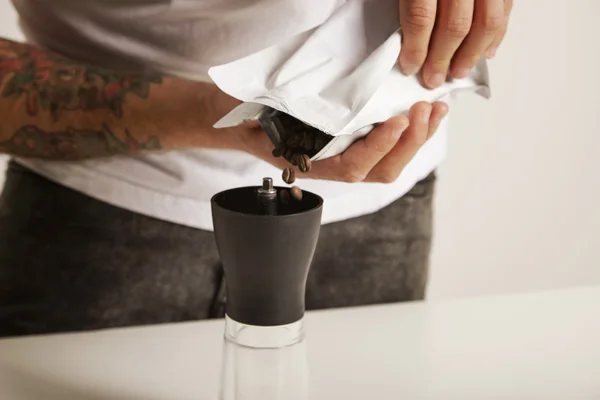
[[266, 240]]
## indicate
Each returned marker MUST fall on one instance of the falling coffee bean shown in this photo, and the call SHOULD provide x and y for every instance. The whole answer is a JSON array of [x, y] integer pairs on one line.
[[284, 195], [288, 175], [304, 163], [296, 193]]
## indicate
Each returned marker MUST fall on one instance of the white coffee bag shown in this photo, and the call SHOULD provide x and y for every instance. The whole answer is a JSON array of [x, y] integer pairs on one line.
[[341, 77]]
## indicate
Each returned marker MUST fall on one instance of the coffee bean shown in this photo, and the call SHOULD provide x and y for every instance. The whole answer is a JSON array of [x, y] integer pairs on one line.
[[309, 143], [284, 195], [294, 140], [276, 152], [303, 137], [320, 142], [301, 163], [296, 193], [308, 162], [296, 136], [297, 158], [304, 163], [288, 175], [288, 154]]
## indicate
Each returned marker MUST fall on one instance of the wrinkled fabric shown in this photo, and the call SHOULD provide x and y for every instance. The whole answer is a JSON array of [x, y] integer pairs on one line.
[[185, 38]]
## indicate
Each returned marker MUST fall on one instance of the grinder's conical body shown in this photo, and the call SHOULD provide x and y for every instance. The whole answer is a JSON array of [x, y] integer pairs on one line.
[[266, 251]]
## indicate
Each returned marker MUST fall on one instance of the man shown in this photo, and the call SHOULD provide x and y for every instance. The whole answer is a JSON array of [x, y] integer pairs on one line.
[[108, 113]]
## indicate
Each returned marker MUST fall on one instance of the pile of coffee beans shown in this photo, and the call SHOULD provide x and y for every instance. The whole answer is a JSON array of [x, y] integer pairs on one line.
[[299, 143]]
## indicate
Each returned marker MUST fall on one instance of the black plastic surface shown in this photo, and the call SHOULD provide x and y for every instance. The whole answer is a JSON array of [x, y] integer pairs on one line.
[[266, 258]]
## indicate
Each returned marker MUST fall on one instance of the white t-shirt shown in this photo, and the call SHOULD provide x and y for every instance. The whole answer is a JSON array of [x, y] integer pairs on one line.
[[185, 38]]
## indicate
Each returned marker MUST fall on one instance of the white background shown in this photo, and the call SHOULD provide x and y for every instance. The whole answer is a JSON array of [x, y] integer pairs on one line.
[[518, 199]]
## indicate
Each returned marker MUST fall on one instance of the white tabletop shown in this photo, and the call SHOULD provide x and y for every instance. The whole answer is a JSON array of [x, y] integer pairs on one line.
[[528, 346]]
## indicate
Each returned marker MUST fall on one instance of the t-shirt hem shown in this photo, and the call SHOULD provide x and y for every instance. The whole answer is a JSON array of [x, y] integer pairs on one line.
[[196, 213]]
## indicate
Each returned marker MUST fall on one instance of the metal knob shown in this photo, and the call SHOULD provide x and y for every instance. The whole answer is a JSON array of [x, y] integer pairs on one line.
[[267, 197], [267, 188]]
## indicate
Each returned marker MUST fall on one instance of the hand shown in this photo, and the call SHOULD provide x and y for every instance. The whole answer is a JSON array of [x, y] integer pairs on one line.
[[378, 157], [442, 35]]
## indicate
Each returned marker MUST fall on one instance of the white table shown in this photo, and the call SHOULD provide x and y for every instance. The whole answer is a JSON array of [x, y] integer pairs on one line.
[[528, 346]]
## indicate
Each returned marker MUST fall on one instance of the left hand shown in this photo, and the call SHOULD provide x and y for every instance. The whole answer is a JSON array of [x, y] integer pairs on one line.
[[380, 156], [450, 35]]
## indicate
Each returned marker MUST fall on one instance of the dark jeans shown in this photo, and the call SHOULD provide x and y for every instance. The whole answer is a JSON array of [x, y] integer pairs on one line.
[[70, 263]]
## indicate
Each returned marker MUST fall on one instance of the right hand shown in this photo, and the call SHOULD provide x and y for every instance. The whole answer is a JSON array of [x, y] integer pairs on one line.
[[441, 36], [378, 157]]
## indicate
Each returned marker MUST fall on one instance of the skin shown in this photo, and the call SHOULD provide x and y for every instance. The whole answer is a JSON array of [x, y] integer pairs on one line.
[[378, 157], [56, 108], [448, 37]]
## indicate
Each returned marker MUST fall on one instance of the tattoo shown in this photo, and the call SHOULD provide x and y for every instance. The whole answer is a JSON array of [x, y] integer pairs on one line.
[[73, 144], [56, 84]]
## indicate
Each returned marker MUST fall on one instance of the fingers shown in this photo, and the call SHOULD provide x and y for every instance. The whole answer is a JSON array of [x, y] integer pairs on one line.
[[491, 51], [487, 22], [424, 121], [392, 164], [354, 164], [443, 34], [452, 26], [440, 110], [417, 18], [378, 157]]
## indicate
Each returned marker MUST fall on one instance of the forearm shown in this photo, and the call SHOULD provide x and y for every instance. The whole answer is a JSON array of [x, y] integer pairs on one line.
[[55, 108]]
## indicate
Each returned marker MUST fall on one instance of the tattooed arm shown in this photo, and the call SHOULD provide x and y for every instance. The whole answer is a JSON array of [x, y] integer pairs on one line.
[[55, 108]]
